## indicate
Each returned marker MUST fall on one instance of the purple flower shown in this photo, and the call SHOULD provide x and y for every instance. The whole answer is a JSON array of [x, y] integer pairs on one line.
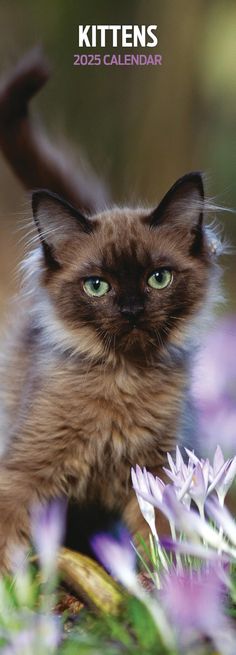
[[198, 479], [41, 634], [194, 549], [155, 499], [214, 386], [47, 529], [117, 556], [194, 602], [199, 484], [188, 521], [189, 480], [222, 475], [216, 367], [145, 482], [181, 475], [195, 480], [223, 519], [141, 480]]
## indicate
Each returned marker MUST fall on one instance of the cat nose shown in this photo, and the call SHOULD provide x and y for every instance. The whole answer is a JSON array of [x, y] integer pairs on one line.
[[131, 312]]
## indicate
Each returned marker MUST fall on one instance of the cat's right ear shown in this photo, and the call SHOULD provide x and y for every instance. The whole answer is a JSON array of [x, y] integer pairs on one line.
[[183, 204], [182, 208], [57, 221]]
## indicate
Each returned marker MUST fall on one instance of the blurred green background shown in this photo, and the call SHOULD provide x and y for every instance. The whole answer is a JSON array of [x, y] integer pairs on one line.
[[140, 127]]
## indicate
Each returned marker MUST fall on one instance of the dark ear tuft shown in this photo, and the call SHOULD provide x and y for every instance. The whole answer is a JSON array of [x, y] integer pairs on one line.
[[57, 221]]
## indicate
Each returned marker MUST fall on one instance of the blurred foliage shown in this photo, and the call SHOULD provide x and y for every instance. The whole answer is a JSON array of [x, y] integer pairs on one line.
[[141, 127]]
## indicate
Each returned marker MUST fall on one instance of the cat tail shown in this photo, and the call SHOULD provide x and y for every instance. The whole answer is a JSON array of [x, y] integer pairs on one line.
[[34, 160]]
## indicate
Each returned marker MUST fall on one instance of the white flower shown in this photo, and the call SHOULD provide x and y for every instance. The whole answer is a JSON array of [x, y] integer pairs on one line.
[[146, 483], [223, 519], [222, 475]]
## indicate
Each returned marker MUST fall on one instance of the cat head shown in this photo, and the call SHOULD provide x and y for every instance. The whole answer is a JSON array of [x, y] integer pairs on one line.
[[126, 281]]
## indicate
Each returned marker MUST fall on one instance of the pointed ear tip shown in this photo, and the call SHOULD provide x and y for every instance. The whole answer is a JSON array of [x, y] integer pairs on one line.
[[49, 203], [195, 179], [36, 196], [185, 189]]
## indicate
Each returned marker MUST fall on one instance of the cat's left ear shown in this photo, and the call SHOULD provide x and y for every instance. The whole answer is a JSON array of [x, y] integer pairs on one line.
[[57, 222], [182, 207]]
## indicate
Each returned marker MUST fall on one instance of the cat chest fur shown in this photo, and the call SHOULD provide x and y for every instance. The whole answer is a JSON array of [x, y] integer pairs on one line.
[[106, 417], [93, 425]]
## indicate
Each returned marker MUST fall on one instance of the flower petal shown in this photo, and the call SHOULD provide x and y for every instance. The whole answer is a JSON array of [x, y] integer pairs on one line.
[[223, 518], [117, 556], [218, 460]]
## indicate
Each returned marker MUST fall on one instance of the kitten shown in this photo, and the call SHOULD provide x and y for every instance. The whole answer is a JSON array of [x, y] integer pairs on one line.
[[96, 375]]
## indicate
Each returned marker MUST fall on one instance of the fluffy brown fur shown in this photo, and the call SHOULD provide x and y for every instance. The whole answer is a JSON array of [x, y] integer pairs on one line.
[[95, 385]]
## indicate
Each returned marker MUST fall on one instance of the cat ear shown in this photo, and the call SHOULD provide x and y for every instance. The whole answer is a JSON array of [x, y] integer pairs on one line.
[[182, 207], [57, 221]]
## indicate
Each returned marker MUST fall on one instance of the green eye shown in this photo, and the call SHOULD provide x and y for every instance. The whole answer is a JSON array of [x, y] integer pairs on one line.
[[96, 287], [161, 279]]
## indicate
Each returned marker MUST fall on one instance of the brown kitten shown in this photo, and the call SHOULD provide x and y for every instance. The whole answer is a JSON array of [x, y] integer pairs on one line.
[[96, 376]]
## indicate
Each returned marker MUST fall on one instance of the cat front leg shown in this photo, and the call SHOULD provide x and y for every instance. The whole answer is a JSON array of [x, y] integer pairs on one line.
[[18, 494], [14, 534]]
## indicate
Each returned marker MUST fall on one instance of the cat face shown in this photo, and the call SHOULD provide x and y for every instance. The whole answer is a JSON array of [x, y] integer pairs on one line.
[[126, 281]]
